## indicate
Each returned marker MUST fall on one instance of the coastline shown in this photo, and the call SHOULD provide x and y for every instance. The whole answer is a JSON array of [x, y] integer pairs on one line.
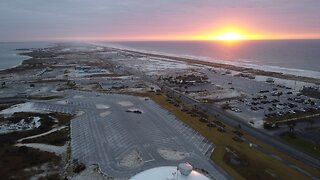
[[30, 61], [13, 54], [229, 67], [25, 56], [19, 67], [22, 55]]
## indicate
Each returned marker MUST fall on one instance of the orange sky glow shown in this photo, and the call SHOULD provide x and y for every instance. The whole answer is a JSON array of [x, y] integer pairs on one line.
[[159, 20]]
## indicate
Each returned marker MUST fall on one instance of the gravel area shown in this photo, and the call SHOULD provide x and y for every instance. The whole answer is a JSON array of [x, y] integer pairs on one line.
[[105, 114], [102, 106], [172, 154], [125, 103], [132, 160]]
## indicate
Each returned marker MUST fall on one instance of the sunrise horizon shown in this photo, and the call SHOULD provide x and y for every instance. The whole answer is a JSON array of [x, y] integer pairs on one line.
[[197, 38], [168, 21], [160, 89]]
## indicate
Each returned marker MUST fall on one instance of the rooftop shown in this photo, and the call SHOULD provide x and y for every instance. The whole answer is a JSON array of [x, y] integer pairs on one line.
[[166, 173]]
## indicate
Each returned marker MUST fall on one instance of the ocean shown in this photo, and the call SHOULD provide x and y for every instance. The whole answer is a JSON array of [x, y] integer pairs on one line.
[[298, 57], [9, 56]]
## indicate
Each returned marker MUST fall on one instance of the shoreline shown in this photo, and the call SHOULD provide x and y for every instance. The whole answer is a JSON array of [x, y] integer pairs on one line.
[[19, 67], [21, 54], [243, 63], [258, 72], [26, 62], [26, 57]]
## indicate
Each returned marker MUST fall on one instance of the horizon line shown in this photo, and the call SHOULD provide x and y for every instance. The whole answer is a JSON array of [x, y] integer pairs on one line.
[[149, 40]]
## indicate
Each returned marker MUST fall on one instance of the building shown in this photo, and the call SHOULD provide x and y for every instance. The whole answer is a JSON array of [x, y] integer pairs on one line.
[[183, 172]]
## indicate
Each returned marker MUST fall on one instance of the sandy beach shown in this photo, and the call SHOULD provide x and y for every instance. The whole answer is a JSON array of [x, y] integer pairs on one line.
[[232, 67]]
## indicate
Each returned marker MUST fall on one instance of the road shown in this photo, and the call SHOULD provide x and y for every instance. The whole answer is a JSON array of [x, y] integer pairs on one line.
[[235, 121]]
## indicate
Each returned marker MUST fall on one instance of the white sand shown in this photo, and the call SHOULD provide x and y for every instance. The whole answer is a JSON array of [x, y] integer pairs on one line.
[[172, 155], [24, 107], [125, 103], [43, 134], [258, 124], [105, 114], [41, 90], [54, 91], [77, 96], [44, 171], [58, 150], [132, 160], [80, 113], [217, 95], [102, 106], [20, 126], [64, 102]]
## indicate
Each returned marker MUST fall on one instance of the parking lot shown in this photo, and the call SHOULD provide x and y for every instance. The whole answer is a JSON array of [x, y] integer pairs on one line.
[[262, 99], [106, 134]]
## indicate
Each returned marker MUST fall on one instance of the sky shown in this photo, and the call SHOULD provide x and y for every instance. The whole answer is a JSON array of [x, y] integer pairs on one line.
[[27, 20]]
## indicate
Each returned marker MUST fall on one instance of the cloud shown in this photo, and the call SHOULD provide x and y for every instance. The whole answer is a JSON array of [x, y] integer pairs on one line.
[[40, 19]]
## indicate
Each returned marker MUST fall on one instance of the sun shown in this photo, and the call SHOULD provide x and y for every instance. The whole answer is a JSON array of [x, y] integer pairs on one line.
[[229, 36]]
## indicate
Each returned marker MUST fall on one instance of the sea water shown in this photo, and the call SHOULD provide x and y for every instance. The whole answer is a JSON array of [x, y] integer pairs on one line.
[[9, 52]]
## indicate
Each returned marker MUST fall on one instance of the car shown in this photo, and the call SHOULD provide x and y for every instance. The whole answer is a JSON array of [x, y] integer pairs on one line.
[[211, 125], [264, 91], [254, 108], [291, 111], [270, 109], [204, 120], [279, 113]]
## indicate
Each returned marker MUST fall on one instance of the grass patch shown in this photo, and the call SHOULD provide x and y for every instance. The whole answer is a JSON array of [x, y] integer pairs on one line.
[[260, 165], [46, 121], [14, 160], [301, 143], [6, 106]]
